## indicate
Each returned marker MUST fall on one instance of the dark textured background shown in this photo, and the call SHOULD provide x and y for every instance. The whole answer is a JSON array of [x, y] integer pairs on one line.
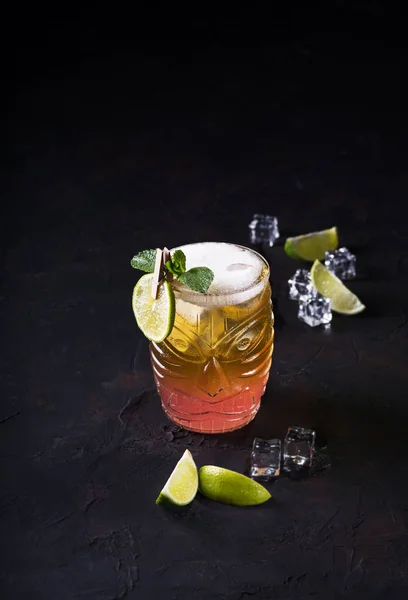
[[122, 134]]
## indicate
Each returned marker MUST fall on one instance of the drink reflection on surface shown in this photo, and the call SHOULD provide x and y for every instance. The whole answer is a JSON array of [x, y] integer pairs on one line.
[[212, 369]]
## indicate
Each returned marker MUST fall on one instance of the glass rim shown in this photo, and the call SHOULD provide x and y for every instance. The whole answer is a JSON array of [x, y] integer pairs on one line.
[[222, 298]]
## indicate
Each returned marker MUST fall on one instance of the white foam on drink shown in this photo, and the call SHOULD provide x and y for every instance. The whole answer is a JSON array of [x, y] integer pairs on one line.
[[239, 273]]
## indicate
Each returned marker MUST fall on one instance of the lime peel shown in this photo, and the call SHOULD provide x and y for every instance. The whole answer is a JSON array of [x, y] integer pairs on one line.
[[230, 487]]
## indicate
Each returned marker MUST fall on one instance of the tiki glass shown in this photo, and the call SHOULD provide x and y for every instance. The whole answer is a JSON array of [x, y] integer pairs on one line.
[[212, 369]]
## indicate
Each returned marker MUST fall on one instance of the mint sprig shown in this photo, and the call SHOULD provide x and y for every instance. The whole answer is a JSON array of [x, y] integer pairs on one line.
[[198, 279], [177, 263]]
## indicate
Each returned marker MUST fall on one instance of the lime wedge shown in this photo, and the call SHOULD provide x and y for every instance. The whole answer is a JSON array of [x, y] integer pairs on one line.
[[312, 245], [181, 487], [154, 317], [343, 301], [230, 487]]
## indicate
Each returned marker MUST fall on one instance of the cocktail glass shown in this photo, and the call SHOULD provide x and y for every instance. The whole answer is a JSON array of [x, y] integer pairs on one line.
[[211, 371]]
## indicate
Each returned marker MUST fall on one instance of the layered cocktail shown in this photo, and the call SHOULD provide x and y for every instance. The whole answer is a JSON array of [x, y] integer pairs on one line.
[[212, 369]]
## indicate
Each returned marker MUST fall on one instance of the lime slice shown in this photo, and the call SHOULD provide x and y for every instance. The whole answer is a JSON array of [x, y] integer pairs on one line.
[[154, 317], [343, 301], [312, 245], [181, 487], [230, 487]]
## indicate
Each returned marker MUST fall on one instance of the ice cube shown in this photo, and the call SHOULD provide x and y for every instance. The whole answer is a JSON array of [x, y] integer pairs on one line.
[[239, 267], [300, 285], [315, 310], [341, 262], [265, 458], [298, 449], [263, 229]]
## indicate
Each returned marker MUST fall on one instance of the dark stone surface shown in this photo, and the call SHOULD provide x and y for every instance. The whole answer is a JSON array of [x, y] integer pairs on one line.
[[115, 147]]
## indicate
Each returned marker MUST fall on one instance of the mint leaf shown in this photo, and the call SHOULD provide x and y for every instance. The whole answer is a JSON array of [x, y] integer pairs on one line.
[[144, 261], [178, 260], [176, 263], [198, 279], [169, 266]]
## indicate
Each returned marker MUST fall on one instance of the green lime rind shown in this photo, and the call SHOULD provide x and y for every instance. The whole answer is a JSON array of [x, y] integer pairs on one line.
[[312, 246], [230, 487], [155, 317], [182, 485], [289, 250]]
